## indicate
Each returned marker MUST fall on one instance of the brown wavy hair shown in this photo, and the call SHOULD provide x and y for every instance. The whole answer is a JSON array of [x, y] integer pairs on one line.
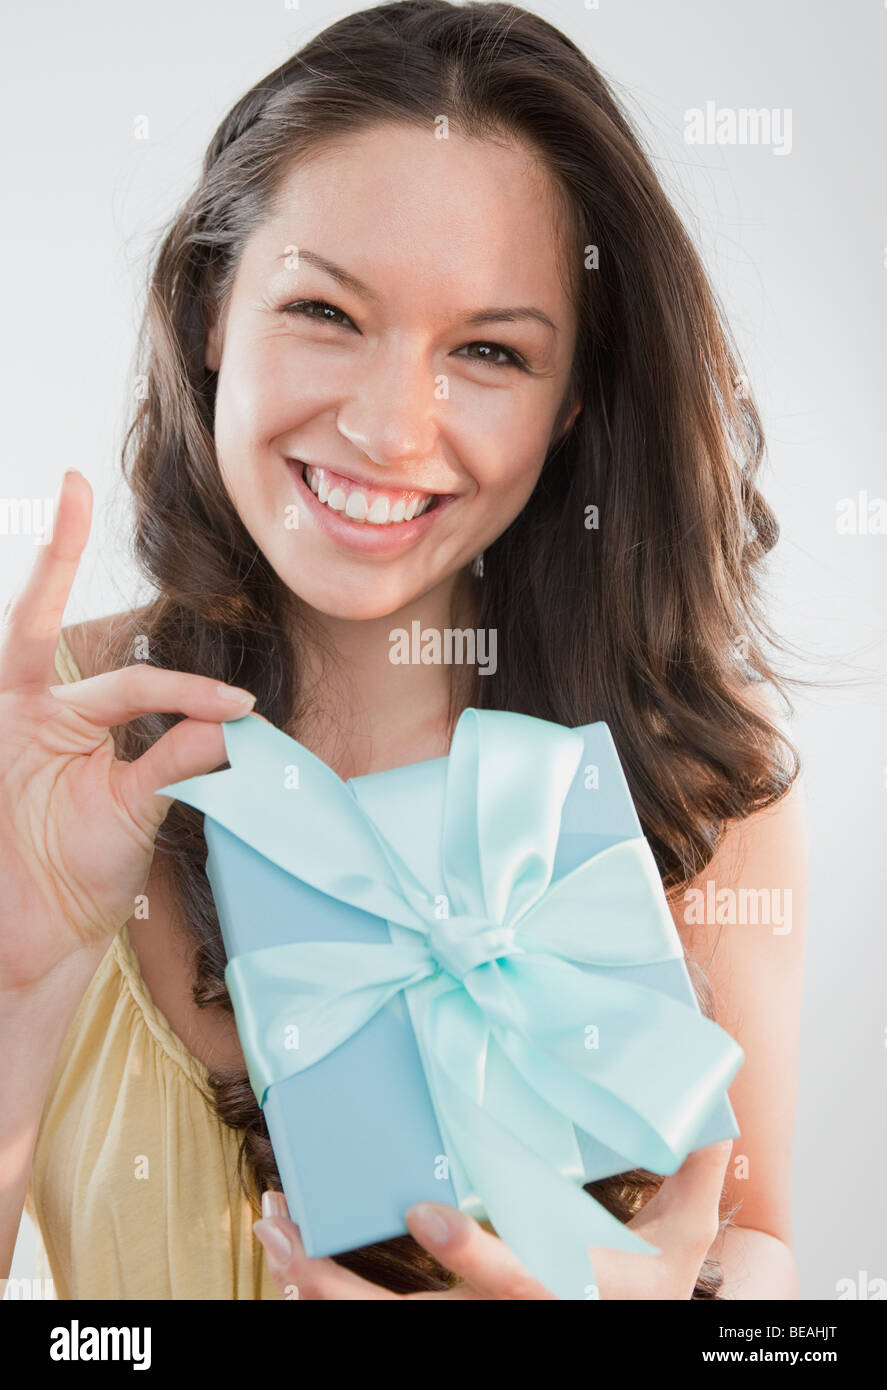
[[652, 622]]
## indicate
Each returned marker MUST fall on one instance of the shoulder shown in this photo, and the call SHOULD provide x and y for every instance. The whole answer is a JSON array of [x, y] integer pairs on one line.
[[94, 642], [771, 842], [781, 826]]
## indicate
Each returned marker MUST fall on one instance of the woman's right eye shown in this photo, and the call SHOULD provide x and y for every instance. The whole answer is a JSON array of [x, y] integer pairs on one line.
[[316, 309]]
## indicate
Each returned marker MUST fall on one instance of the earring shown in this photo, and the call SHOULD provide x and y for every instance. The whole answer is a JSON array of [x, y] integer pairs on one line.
[[477, 567]]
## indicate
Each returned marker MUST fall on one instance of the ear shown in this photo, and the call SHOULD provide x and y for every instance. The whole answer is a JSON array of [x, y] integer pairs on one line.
[[211, 354], [574, 411], [570, 419]]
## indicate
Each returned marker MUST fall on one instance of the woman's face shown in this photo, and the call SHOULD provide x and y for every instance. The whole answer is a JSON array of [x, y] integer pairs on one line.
[[392, 361]]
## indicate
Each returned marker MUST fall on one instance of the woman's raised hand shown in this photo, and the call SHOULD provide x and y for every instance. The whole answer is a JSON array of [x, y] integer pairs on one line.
[[77, 826]]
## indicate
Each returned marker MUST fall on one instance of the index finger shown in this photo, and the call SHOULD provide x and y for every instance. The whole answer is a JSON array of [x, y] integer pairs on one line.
[[33, 620]]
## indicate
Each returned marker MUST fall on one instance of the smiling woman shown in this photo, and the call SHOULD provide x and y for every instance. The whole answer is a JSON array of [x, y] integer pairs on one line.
[[428, 302], [386, 391]]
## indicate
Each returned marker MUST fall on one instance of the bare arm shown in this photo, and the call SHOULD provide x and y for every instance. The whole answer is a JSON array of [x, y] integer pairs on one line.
[[33, 1024], [755, 970]]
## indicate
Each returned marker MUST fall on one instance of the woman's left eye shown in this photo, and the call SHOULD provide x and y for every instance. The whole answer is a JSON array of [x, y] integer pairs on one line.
[[328, 313], [512, 358]]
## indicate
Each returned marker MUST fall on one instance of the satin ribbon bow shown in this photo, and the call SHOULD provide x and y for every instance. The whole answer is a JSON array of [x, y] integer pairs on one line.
[[493, 975]]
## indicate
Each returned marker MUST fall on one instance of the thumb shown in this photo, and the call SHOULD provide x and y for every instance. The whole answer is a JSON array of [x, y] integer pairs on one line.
[[189, 749], [687, 1203]]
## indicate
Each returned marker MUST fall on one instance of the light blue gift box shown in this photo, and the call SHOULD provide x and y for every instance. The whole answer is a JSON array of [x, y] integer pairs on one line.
[[355, 1135]]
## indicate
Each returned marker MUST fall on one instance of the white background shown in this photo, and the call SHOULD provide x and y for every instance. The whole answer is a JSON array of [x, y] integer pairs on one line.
[[796, 249]]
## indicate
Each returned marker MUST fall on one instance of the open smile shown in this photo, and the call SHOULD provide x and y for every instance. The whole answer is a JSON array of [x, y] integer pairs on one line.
[[374, 505], [367, 516]]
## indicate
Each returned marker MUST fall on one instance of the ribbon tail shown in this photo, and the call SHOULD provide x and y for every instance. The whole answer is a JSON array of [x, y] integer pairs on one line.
[[296, 1003], [546, 1220]]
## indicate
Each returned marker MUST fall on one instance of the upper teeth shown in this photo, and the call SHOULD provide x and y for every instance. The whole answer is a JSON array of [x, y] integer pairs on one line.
[[357, 506]]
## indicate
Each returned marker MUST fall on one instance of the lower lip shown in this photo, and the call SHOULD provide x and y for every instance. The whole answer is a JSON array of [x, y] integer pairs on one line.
[[389, 539]]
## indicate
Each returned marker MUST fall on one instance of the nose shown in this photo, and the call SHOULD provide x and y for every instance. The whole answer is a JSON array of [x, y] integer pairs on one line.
[[390, 414]]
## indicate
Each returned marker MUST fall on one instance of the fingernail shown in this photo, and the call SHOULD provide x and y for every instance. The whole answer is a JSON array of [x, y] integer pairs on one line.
[[276, 1242], [428, 1224], [274, 1205], [234, 693]]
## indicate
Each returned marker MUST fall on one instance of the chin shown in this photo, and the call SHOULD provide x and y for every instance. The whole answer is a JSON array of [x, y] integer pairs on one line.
[[357, 610], [356, 601]]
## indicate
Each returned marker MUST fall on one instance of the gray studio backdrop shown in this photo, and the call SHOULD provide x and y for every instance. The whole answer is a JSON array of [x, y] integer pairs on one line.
[[106, 111]]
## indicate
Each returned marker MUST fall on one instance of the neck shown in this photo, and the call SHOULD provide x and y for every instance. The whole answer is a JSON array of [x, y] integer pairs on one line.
[[364, 712]]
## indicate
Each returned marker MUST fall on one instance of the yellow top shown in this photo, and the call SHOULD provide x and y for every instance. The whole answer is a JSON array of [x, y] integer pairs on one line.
[[134, 1185]]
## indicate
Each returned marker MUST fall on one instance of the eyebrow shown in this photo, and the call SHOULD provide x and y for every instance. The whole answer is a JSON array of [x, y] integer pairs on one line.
[[351, 282]]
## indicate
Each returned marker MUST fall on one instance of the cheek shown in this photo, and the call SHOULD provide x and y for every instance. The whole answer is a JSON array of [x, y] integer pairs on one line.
[[264, 391], [507, 451], [250, 411]]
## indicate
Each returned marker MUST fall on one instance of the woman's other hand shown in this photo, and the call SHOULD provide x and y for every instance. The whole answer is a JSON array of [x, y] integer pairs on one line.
[[682, 1219]]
